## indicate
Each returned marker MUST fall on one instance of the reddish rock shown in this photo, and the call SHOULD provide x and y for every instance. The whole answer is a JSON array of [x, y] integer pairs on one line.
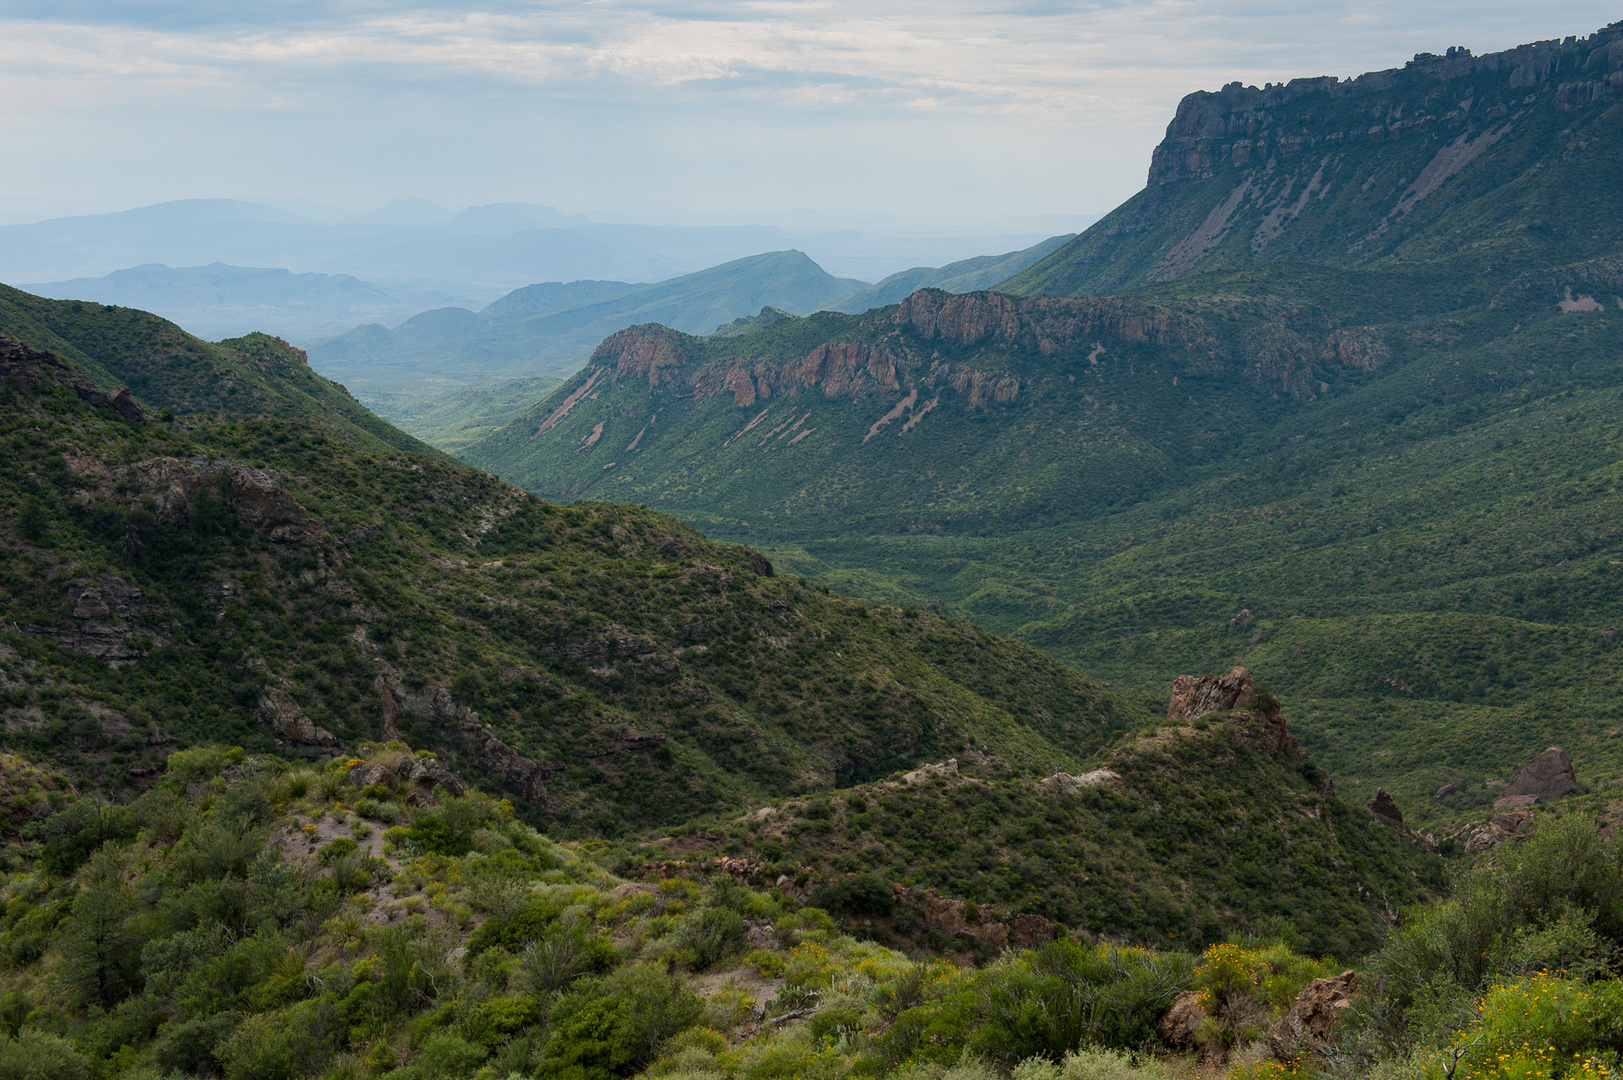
[[1517, 825], [1514, 802], [1450, 788], [1182, 1022], [1196, 696], [1313, 1016], [288, 720]]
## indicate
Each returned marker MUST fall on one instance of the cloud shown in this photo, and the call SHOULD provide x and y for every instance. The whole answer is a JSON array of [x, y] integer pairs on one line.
[[1028, 88]]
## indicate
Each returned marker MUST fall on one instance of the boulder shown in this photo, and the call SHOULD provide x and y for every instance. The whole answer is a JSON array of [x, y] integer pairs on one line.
[[1313, 1016], [1382, 806], [124, 403], [1181, 1024], [1196, 696], [1514, 802], [1548, 776], [1451, 788]]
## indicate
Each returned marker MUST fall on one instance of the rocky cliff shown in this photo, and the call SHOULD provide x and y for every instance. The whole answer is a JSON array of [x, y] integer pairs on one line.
[[1482, 157]]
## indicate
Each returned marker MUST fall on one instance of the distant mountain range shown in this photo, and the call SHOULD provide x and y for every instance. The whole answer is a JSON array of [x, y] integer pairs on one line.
[[478, 253], [552, 327], [218, 300], [967, 275]]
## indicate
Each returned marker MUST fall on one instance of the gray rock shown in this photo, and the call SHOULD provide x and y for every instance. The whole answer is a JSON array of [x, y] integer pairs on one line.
[[1548, 776]]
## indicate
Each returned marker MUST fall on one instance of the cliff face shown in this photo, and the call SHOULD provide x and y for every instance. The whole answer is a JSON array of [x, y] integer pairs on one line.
[[1002, 335], [1456, 159], [1245, 125]]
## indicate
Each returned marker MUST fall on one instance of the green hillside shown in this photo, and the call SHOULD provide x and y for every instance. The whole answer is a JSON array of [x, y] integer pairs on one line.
[[1177, 833], [379, 916], [268, 582], [167, 368], [1403, 468], [966, 275]]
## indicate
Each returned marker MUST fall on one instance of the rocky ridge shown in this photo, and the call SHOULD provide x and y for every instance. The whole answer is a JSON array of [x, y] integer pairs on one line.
[[1364, 172]]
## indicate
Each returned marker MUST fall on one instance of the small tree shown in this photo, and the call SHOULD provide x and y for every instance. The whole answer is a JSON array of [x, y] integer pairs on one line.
[[99, 951]]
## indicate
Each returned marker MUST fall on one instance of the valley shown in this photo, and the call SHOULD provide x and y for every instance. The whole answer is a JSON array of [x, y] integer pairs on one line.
[[1379, 468], [1182, 650]]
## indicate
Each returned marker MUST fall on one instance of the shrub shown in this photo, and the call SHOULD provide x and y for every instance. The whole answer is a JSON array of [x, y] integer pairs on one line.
[[285, 1045], [192, 1046], [39, 1055], [337, 849], [856, 894], [712, 934], [1551, 903], [1542, 1025], [1092, 1063]]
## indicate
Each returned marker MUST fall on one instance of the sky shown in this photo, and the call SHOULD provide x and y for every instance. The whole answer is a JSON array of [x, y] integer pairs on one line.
[[952, 115]]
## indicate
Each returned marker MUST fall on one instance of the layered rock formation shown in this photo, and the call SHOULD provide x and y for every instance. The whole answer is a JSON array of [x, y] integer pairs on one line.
[[37, 371], [1194, 696], [1243, 124]]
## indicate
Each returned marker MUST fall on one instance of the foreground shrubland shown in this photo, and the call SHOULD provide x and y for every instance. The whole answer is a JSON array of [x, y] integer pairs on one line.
[[254, 920]]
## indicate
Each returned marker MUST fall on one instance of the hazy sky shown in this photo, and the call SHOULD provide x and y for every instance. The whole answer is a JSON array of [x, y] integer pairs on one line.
[[950, 114]]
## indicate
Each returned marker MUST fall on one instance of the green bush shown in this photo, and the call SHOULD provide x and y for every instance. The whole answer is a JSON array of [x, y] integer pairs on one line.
[[712, 934], [1553, 903], [39, 1055], [856, 894], [287, 1045]]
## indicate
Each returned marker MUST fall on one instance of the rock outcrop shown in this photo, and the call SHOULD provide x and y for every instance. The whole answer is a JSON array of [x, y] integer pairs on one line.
[[1196, 696], [1257, 719], [425, 774], [990, 925], [1453, 787], [1514, 826], [172, 488], [1313, 1017], [37, 371], [462, 725], [1382, 806], [1067, 783], [1244, 124], [285, 717], [1546, 778], [106, 620]]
